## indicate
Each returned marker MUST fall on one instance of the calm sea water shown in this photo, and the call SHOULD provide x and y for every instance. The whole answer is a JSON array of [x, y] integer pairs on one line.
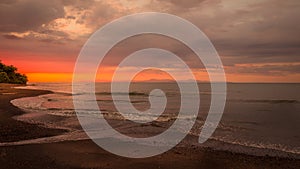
[[258, 118]]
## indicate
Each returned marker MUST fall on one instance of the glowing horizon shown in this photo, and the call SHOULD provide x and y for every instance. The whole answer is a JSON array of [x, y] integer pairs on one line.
[[105, 76], [251, 47]]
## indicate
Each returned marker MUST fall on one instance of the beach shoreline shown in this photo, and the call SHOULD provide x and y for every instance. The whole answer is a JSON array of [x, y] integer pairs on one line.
[[86, 154], [14, 130]]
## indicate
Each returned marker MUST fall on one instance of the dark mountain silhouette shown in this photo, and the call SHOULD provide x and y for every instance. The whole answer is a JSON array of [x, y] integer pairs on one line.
[[9, 74]]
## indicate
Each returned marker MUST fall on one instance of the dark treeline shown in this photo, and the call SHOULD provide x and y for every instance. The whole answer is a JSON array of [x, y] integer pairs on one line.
[[9, 74]]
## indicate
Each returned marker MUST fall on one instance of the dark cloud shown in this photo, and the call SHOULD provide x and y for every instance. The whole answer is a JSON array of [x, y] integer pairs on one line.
[[79, 4], [182, 4], [271, 70], [7, 1], [38, 50], [259, 31], [233, 53], [177, 7], [103, 12], [71, 17], [53, 32], [24, 15], [246, 32], [243, 32]]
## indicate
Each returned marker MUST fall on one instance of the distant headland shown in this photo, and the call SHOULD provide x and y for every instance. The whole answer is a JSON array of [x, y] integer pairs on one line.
[[9, 74]]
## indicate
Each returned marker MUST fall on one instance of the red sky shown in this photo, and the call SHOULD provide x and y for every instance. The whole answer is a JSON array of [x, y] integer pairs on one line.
[[256, 40]]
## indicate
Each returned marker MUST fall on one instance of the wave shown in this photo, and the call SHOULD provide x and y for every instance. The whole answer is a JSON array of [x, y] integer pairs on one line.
[[216, 142], [59, 102]]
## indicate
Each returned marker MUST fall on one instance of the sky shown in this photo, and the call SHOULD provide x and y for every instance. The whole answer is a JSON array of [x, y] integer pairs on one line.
[[258, 40]]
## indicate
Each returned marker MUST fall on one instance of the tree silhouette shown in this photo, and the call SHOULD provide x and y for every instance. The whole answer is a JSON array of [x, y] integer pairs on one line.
[[9, 74]]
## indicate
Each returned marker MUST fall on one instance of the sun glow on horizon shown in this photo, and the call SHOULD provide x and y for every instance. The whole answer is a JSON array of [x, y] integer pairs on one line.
[[68, 77]]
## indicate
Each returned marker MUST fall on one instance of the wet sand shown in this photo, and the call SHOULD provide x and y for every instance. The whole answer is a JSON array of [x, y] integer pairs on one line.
[[12, 130], [86, 154]]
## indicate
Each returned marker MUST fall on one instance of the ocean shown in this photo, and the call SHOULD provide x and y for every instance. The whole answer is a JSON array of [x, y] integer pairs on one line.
[[259, 119]]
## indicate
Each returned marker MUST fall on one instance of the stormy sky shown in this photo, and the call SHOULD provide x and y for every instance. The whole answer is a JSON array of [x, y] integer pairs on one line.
[[258, 40]]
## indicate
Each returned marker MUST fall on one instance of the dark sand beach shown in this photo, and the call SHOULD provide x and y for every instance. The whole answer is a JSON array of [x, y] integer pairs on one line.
[[86, 154]]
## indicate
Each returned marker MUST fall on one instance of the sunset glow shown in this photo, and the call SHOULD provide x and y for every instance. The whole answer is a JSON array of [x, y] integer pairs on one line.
[[251, 47]]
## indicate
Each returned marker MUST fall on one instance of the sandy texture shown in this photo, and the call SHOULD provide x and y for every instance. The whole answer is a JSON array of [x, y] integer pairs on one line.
[[85, 154]]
